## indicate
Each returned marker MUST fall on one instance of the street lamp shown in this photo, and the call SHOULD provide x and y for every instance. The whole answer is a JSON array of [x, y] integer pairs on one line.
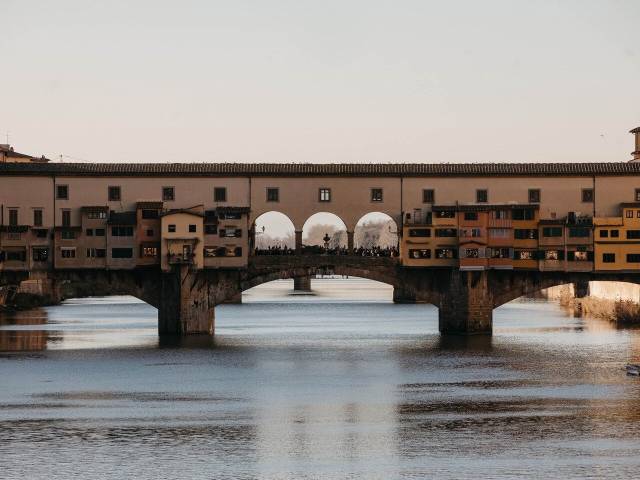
[[326, 240]]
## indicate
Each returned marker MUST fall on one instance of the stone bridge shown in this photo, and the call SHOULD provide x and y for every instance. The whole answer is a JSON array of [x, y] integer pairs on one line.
[[186, 298]]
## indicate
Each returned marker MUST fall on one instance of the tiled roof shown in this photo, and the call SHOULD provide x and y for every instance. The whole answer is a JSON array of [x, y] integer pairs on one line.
[[317, 169]]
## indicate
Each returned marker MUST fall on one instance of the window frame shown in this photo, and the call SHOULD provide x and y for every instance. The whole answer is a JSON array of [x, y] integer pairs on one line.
[[535, 195], [165, 190], [269, 194], [588, 195], [38, 217], [324, 192], [428, 195], [482, 195], [220, 194], [374, 194], [58, 191], [111, 189]]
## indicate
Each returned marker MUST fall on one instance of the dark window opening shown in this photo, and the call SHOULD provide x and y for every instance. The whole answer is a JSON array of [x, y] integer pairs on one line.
[[220, 194], [168, 194], [587, 195], [428, 195], [376, 194], [62, 192], [608, 258], [114, 194], [273, 194], [534, 195], [482, 196]]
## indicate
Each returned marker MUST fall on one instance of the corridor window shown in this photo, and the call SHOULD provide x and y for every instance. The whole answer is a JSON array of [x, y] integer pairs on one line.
[[587, 195], [534, 195], [608, 258], [37, 218], [482, 195], [192, 228], [62, 192], [172, 228], [114, 194], [324, 194], [428, 195], [220, 194], [376, 194], [168, 194], [273, 194], [13, 217]]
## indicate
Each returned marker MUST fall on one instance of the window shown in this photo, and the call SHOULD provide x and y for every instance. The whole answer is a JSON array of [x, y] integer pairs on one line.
[[628, 213], [615, 233], [17, 255], [97, 215], [471, 253], [172, 228], [66, 252], [420, 253], [210, 229], [523, 214], [446, 253], [445, 214], [237, 252], [633, 257], [638, 213], [609, 257], [220, 194], [446, 232], [428, 195], [149, 214], [122, 231], [62, 192], [587, 195], [604, 233], [501, 214], [580, 232], [66, 218], [41, 233], [89, 232], [13, 217], [149, 233], [273, 194], [149, 252], [68, 234], [552, 232], [500, 253], [633, 234], [96, 253], [37, 218], [324, 194], [482, 196], [376, 194], [114, 194], [500, 232], [524, 255], [637, 195], [40, 254], [230, 232], [534, 195], [525, 234], [168, 194], [210, 252], [581, 256], [99, 232], [419, 232], [192, 228], [470, 215], [552, 255], [122, 253]]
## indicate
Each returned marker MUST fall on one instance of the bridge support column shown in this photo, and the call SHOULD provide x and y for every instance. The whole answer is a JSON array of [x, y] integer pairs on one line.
[[185, 307], [350, 242], [466, 306], [298, 242], [581, 289], [401, 295], [302, 284]]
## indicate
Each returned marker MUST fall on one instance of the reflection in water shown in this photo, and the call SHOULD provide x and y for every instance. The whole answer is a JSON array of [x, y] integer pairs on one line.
[[331, 386]]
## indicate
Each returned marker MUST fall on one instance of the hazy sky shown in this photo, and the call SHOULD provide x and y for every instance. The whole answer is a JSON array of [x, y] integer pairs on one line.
[[323, 81]]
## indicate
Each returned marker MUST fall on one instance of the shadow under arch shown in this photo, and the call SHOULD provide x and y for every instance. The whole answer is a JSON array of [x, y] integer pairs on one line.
[[273, 229], [376, 229]]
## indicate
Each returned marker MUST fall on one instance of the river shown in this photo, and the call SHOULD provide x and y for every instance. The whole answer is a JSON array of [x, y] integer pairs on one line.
[[343, 384]]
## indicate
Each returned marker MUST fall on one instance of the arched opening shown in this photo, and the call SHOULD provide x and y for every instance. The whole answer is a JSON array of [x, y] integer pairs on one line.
[[273, 233], [324, 232], [376, 234]]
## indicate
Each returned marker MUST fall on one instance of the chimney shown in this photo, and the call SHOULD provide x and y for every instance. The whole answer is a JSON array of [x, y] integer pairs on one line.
[[636, 152]]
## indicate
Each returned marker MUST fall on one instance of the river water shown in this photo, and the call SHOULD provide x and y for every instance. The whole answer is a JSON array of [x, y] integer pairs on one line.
[[344, 384]]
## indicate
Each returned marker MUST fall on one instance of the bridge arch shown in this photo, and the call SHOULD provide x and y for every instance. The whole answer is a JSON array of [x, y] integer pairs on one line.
[[324, 223], [376, 229], [273, 229]]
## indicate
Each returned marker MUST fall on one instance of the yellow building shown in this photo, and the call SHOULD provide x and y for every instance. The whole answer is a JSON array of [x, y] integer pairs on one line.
[[524, 221], [182, 238], [431, 240], [617, 240]]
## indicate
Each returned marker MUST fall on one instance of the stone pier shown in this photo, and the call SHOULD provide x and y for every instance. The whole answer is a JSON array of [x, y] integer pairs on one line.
[[466, 305], [302, 284], [185, 307]]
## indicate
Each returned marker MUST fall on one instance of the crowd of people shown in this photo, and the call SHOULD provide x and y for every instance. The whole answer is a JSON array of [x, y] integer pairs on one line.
[[318, 250]]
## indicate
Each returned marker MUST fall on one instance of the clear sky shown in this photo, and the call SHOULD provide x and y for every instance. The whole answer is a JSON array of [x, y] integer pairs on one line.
[[321, 81]]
